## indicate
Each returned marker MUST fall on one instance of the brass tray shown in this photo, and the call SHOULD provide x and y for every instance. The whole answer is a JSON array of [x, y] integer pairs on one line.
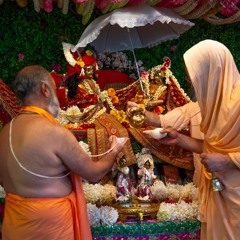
[[136, 208]]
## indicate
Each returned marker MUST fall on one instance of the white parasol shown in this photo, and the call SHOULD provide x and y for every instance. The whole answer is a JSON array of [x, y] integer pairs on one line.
[[133, 27]]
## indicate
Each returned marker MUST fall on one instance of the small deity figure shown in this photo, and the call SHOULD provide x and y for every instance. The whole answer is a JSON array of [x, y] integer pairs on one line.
[[146, 175], [123, 184]]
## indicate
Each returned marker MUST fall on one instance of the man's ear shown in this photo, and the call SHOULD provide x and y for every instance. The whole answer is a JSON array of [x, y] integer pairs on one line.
[[45, 89]]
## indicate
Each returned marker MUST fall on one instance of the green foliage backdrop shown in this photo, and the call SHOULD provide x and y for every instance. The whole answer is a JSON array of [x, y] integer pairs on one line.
[[28, 37]]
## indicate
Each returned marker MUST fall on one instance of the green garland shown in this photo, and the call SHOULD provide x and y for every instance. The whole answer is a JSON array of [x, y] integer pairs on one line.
[[38, 38]]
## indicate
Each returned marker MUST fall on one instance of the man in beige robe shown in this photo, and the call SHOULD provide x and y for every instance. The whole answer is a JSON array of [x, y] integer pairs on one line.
[[216, 82]]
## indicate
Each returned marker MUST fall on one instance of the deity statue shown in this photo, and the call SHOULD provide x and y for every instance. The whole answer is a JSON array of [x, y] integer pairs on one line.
[[84, 92], [162, 93], [146, 175], [123, 183]]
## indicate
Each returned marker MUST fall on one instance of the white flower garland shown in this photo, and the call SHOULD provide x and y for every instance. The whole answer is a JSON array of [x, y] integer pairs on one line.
[[104, 215], [109, 215], [97, 193], [74, 111], [61, 117], [85, 147], [159, 190], [178, 211], [93, 214], [159, 92], [108, 100], [176, 191], [96, 115], [67, 53]]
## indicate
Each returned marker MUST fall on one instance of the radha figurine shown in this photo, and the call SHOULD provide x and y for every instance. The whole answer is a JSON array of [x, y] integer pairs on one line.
[[146, 175]]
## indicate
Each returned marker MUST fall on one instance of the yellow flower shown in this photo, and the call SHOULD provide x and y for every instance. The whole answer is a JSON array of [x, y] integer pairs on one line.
[[122, 113], [89, 53], [113, 113], [81, 64], [118, 117]]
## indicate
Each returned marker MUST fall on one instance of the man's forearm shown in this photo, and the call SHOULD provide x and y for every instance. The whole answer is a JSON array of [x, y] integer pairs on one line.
[[191, 144], [152, 118]]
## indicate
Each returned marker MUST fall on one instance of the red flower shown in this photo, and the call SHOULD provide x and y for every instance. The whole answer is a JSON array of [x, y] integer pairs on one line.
[[173, 48], [56, 67], [163, 68], [20, 57]]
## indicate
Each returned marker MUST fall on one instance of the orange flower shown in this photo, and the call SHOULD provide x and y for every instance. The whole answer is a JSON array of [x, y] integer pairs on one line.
[[22, 3], [111, 92], [115, 99]]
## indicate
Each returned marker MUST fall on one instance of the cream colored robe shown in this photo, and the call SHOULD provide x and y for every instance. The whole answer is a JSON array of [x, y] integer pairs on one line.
[[216, 81], [182, 117]]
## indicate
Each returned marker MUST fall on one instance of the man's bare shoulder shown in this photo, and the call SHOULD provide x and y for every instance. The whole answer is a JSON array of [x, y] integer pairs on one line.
[[53, 129]]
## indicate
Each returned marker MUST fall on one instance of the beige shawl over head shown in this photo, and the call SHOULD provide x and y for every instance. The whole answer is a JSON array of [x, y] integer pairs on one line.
[[216, 81]]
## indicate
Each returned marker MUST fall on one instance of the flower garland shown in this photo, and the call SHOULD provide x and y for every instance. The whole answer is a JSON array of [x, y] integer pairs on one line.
[[93, 214], [109, 215], [87, 85], [189, 9], [119, 115], [159, 92], [74, 58], [159, 190], [85, 147], [75, 115], [179, 211], [104, 215], [67, 53], [106, 194], [101, 194]]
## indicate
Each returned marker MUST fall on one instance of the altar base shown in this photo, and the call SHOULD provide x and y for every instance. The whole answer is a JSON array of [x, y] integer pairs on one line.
[[137, 209], [184, 230]]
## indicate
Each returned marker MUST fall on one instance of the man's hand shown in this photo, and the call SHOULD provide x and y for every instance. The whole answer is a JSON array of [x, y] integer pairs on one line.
[[216, 162], [172, 137], [129, 106]]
